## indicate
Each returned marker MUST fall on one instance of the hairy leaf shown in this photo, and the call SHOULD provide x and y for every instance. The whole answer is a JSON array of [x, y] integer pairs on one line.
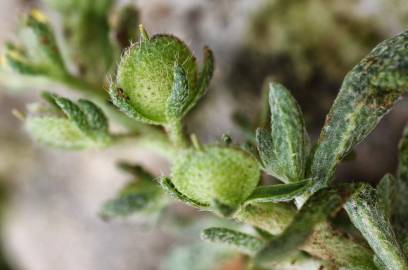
[[368, 216], [141, 195], [288, 135], [401, 202], [169, 187], [316, 210], [278, 193], [385, 193], [243, 242], [179, 98], [68, 125], [96, 119], [368, 92], [205, 76]]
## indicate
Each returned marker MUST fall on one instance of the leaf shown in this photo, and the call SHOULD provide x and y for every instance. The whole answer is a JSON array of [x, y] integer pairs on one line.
[[39, 40], [385, 193], [126, 26], [179, 98], [245, 243], [278, 193], [121, 101], [367, 215], [135, 170], [139, 196], [283, 152], [401, 195], [204, 77], [72, 111], [96, 119], [58, 132], [368, 92], [315, 211], [68, 125], [169, 187]]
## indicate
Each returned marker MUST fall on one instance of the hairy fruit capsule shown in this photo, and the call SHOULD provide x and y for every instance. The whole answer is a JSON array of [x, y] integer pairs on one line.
[[158, 81], [215, 173]]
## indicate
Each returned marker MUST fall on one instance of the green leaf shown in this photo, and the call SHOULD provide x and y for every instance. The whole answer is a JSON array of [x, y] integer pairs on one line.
[[169, 187], [205, 76], [68, 125], [367, 215], [179, 98], [278, 193], [73, 112], [401, 195], [385, 193], [368, 92], [96, 119], [15, 60], [243, 242], [121, 101], [41, 45], [58, 132], [284, 151], [315, 211], [126, 26], [139, 196], [135, 170]]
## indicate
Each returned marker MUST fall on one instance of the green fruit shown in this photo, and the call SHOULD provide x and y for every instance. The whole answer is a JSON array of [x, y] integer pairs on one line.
[[146, 74], [227, 175]]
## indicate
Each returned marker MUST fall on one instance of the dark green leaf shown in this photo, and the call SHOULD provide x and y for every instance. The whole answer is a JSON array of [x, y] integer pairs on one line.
[[205, 76], [278, 193], [140, 195], [289, 137], [97, 121], [368, 92], [169, 187], [179, 98], [243, 242]]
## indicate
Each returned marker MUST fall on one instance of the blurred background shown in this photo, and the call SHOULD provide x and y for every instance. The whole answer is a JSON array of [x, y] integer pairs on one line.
[[50, 199]]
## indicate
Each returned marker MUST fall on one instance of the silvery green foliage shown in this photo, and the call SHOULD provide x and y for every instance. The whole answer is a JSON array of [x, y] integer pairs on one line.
[[401, 201], [68, 125], [368, 92], [243, 242], [284, 151], [141, 195], [316, 210], [367, 214]]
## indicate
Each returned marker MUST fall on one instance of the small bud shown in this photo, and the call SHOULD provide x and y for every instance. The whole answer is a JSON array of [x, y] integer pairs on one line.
[[157, 79], [224, 175]]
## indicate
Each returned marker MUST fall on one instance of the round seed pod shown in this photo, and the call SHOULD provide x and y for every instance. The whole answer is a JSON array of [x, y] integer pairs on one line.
[[227, 175], [145, 76]]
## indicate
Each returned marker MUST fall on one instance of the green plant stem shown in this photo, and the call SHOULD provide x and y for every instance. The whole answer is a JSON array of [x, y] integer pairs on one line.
[[325, 243], [153, 140], [176, 134]]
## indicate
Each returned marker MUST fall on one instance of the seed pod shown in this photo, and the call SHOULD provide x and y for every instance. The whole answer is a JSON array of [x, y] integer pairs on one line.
[[218, 174], [157, 79]]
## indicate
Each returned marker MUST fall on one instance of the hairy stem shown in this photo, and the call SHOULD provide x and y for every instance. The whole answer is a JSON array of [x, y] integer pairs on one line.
[[176, 134]]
